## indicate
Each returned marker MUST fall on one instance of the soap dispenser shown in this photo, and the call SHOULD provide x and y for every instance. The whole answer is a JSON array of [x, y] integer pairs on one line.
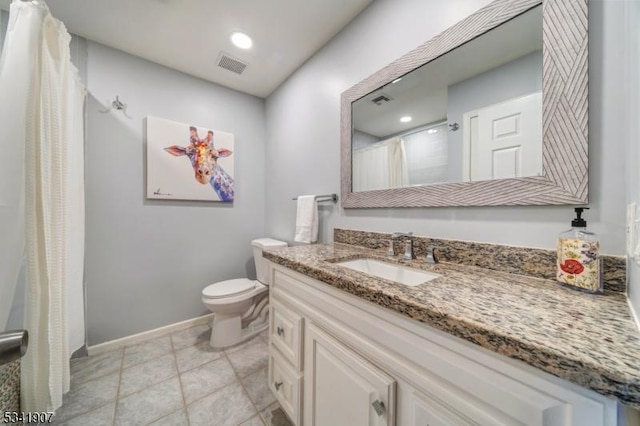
[[579, 262]]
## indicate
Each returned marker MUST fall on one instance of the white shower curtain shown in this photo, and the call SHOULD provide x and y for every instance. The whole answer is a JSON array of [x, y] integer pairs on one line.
[[382, 165], [42, 196]]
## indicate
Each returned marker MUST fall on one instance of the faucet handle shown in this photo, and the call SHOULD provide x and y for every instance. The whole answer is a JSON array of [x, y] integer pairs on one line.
[[390, 251], [408, 248], [431, 256]]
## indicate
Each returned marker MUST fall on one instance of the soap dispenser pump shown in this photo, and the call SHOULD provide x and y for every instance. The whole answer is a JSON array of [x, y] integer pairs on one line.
[[579, 262]]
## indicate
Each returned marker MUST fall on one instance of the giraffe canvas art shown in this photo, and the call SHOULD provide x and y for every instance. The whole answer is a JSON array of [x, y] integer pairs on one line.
[[188, 162]]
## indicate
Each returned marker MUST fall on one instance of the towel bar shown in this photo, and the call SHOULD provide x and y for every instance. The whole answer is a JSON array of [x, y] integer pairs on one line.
[[326, 197]]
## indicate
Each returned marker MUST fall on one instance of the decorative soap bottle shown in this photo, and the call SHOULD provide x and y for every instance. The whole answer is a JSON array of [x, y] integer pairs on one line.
[[579, 263]]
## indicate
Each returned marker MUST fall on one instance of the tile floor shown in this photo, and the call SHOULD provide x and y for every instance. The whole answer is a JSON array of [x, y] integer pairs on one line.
[[173, 380]]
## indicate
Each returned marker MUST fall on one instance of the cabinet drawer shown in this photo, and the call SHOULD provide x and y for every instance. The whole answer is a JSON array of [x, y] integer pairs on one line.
[[286, 384], [286, 333]]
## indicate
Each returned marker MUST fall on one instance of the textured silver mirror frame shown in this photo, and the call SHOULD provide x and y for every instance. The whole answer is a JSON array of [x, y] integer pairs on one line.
[[565, 174]]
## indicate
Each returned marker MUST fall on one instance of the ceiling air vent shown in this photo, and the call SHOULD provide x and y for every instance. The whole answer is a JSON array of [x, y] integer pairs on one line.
[[379, 100], [230, 63]]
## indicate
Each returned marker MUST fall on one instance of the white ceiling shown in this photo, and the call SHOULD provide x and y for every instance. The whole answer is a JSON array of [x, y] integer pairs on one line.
[[188, 35]]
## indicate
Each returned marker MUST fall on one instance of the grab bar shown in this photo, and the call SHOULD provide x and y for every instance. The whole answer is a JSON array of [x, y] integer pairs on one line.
[[13, 345]]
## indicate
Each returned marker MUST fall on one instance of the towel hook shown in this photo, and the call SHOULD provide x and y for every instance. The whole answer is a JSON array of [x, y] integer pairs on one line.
[[118, 105]]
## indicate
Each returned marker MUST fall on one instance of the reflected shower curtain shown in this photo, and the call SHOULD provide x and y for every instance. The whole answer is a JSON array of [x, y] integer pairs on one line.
[[382, 165], [42, 195]]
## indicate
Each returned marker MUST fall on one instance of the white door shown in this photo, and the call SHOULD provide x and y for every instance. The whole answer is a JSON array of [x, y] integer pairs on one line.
[[504, 140], [342, 388]]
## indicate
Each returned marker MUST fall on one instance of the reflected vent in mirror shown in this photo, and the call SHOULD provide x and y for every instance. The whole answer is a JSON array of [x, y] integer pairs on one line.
[[382, 98], [230, 63]]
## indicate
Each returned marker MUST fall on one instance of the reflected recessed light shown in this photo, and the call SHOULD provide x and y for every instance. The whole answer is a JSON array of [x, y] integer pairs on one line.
[[396, 80], [405, 119], [432, 131], [241, 40]]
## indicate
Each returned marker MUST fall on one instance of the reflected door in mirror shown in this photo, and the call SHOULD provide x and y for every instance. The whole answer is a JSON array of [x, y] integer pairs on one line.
[[504, 140]]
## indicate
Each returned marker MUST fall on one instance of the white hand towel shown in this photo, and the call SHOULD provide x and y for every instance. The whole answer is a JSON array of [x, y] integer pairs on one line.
[[307, 220]]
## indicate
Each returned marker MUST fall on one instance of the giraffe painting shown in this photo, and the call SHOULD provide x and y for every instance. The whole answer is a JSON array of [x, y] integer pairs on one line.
[[168, 179]]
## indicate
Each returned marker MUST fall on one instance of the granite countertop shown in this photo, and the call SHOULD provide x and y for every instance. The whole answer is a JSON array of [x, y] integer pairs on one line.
[[590, 340]]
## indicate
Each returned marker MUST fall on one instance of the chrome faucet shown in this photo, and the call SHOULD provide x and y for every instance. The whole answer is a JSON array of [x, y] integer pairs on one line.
[[431, 255], [408, 247]]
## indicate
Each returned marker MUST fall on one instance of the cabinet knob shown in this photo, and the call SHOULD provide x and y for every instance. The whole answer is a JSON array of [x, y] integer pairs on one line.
[[280, 331], [379, 407], [277, 385]]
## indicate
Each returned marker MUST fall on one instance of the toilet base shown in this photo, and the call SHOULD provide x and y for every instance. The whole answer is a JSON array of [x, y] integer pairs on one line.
[[229, 333], [235, 323]]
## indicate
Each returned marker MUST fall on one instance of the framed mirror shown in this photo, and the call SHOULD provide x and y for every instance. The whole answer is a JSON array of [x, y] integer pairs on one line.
[[493, 111]]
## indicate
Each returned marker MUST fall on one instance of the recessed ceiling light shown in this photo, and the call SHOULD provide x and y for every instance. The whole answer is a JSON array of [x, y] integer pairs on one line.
[[405, 119], [241, 40], [396, 80]]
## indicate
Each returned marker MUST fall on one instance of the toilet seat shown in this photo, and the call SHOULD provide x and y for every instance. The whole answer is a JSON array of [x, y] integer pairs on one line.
[[228, 288]]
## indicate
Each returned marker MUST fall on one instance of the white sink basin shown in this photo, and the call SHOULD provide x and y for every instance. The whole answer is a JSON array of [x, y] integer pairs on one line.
[[400, 274]]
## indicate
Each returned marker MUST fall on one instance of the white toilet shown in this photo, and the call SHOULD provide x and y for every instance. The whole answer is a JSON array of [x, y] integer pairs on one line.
[[241, 306]]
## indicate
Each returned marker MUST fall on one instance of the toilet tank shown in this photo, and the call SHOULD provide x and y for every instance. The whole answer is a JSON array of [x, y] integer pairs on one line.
[[261, 263]]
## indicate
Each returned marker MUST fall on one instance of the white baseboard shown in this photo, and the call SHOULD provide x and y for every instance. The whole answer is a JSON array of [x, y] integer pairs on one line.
[[146, 335]]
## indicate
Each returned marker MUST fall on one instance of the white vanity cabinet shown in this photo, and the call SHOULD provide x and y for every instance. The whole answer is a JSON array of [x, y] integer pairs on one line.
[[337, 360]]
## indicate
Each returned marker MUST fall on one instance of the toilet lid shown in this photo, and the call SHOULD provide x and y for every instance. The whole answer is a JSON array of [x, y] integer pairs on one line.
[[228, 288]]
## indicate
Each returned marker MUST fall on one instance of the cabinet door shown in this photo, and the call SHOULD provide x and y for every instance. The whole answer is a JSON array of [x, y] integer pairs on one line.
[[342, 388]]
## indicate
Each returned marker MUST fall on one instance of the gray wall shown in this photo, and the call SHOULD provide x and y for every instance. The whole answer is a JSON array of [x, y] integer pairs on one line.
[[629, 14], [308, 104], [511, 80], [148, 261]]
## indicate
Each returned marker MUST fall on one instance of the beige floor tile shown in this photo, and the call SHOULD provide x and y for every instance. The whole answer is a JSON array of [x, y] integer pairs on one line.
[[179, 418], [141, 376], [146, 351], [230, 406], [190, 336], [102, 416], [250, 358], [94, 366], [207, 379], [196, 355], [88, 396], [257, 386], [254, 421], [150, 404]]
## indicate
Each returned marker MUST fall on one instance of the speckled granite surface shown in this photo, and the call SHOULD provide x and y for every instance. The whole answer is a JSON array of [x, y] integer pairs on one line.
[[586, 339], [537, 263]]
